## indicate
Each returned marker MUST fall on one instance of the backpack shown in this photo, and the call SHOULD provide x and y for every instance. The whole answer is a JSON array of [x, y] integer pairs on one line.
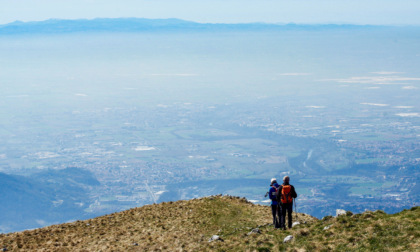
[[286, 194], [276, 191]]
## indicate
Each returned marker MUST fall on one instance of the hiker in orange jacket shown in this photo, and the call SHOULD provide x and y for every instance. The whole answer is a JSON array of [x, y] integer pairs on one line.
[[286, 196]]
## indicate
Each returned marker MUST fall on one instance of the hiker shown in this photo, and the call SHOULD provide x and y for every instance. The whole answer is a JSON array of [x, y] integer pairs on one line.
[[286, 195], [274, 203]]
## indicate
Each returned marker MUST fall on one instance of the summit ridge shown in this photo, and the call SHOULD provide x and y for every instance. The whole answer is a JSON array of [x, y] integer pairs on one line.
[[221, 223]]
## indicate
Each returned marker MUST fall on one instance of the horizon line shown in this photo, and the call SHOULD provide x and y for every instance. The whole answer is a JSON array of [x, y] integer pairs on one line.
[[213, 23]]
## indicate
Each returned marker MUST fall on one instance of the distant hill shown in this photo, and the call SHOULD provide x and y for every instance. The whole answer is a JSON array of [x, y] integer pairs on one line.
[[51, 196], [240, 225], [142, 24]]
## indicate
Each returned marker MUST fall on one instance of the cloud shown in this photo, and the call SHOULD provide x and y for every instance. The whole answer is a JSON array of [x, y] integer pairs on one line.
[[46, 154], [375, 104], [409, 87], [174, 75], [408, 114], [376, 80], [403, 107], [315, 107], [144, 148], [386, 72], [294, 74]]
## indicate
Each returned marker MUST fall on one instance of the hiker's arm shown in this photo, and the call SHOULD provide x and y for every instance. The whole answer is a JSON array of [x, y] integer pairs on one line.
[[279, 193]]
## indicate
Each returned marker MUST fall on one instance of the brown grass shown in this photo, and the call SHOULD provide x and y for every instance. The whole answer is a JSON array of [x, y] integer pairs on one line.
[[188, 225]]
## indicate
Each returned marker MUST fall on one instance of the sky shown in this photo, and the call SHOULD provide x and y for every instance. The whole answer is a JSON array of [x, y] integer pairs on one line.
[[375, 12]]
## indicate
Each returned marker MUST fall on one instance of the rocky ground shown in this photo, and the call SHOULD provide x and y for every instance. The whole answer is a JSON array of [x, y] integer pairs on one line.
[[221, 223]]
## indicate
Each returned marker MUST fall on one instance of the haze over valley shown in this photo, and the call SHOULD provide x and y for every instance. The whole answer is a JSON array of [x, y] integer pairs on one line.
[[97, 121]]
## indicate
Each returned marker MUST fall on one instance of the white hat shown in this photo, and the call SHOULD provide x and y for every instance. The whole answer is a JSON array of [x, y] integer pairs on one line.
[[273, 180]]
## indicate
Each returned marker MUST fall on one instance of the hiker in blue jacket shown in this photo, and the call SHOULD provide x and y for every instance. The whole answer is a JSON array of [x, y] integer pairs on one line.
[[274, 203]]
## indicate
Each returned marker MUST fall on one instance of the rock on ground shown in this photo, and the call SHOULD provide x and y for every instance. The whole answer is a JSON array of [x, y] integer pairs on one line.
[[215, 238], [288, 238], [339, 212], [255, 231]]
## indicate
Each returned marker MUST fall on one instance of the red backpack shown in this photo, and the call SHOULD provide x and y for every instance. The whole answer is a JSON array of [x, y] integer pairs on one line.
[[286, 194]]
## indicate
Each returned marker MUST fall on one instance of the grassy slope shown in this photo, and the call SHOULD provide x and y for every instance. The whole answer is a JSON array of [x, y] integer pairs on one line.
[[187, 225]]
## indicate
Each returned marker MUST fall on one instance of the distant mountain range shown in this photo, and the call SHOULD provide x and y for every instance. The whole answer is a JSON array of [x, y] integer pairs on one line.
[[142, 24]]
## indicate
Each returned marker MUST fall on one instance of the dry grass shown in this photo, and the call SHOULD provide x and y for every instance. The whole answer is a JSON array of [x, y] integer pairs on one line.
[[187, 226]]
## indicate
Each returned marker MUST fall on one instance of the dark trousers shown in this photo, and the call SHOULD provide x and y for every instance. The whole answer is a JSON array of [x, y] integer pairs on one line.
[[289, 208], [276, 216]]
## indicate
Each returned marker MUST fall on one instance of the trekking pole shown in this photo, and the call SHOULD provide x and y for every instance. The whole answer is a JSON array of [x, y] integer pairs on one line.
[[294, 201]]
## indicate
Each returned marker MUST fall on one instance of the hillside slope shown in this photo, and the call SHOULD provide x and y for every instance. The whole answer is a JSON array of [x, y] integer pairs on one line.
[[188, 225], [44, 198]]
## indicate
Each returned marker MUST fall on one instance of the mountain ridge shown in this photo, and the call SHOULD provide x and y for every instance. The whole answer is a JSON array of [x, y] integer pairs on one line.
[[239, 225], [143, 24]]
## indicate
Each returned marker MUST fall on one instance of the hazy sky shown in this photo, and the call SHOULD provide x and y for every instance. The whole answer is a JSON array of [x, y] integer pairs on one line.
[[220, 11]]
